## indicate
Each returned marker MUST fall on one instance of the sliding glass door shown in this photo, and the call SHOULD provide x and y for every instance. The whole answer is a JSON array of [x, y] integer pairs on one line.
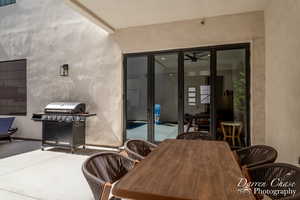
[[165, 96], [232, 95], [200, 89], [151, 108], [197, 91], [137, 120]]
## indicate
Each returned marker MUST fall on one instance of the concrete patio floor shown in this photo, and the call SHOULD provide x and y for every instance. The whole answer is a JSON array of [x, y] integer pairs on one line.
[[43, 175]]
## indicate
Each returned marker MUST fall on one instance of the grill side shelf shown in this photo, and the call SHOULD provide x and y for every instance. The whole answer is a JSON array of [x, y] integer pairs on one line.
[[39, 116]]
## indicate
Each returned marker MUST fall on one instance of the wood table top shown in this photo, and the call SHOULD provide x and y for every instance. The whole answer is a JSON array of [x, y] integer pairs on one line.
[[184, 170]]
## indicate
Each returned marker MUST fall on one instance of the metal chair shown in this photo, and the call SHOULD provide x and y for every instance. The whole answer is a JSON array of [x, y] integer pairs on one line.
[[193, 136], [256, 155], [138, 149], [285, 173], [5, 128], [102, 170]]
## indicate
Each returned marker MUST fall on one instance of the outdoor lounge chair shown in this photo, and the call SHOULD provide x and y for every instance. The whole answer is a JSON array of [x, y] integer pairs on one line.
[[256, 155], [102, 170], [286, 173], [5, 128], [138, 149]]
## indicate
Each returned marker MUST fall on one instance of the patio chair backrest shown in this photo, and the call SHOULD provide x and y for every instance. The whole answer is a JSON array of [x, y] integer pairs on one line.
[[256, 155], [5, 124], [103, 169], [138, 149], [277, 177]]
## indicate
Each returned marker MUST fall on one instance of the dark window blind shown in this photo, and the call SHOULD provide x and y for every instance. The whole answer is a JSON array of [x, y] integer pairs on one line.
[[13, 90]]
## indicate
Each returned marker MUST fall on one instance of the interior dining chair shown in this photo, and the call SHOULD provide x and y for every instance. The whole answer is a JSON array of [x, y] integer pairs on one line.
[[256, 155], [232, 131], [102, 170], [138, 149], [277, 171], [197, 135]]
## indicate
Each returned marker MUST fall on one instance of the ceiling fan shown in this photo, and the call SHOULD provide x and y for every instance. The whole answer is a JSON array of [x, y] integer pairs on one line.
[[194, 57]]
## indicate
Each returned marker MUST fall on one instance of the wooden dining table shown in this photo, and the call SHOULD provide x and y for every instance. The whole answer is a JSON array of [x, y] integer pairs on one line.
[[184, 170]]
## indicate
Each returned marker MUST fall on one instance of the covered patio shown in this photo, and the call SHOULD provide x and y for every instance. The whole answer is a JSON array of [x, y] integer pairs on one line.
[[201, 94]]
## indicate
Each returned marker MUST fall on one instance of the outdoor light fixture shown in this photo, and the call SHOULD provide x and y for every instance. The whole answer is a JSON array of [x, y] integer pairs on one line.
[[64, 70]]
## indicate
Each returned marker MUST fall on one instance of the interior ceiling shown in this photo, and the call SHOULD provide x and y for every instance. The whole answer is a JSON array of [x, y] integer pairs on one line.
[[226, 60], [128, 13]]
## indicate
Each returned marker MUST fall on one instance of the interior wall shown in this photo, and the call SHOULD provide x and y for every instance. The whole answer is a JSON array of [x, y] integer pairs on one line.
[[282, 80], [166, 91], [247, 27], [48, 34]]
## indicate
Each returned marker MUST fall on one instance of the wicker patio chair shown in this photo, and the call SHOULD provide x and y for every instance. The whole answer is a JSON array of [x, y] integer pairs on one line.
[[277, 171], [256, 155], [193, 136], [138, 149], [102, 170]]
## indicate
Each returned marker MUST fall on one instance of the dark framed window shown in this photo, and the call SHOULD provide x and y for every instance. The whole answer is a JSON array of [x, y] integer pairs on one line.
[[6, 2], [13, 95]]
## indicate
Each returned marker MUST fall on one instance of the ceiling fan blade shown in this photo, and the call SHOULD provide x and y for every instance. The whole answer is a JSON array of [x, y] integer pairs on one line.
[[200, 55], [190, 57]]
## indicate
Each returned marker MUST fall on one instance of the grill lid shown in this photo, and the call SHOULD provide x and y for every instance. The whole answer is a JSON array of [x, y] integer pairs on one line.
[[65, 107]]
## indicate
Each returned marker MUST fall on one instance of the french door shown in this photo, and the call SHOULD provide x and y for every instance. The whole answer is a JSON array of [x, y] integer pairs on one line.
[[164, 90]]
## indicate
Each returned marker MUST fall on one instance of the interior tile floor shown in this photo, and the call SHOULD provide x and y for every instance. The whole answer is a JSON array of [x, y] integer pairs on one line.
[[43, 175]]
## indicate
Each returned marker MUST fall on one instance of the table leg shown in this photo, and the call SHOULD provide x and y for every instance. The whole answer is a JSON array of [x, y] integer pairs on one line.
[[233, 136], [239, 141]]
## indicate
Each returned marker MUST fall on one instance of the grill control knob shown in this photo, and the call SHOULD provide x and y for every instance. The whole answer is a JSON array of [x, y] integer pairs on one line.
[[63, 118], [69, 119], [58, 118]]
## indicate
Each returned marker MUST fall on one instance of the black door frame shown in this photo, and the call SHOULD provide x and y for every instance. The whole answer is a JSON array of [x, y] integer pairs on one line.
[[180, 52]]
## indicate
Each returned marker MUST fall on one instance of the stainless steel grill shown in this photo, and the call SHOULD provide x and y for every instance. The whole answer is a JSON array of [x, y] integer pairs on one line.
[[65, 107], [63, 124]]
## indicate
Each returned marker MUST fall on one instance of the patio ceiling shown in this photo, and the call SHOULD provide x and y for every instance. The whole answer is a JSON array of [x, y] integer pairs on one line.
[[115, 14]]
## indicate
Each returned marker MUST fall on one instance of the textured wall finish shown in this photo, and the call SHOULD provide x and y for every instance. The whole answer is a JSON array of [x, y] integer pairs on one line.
[[282, 80], [48, 34], [247, 27]]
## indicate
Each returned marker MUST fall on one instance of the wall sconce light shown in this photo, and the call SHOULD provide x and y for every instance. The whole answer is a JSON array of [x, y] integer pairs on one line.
[[202, 21], [64, 70]]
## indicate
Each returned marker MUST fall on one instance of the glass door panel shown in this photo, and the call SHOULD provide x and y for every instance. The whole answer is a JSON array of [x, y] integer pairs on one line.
[[200, 89], [197, 91], [231, 96], [165, 96], [136, 98]]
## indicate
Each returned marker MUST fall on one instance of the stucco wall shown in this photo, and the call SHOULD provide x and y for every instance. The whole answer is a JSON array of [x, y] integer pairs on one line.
[[282, 80], [48, 34], [247, 27]]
